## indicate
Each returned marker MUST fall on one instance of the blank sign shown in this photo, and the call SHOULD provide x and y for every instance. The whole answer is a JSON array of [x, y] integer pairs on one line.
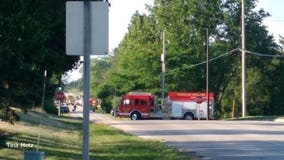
[[75, 27]]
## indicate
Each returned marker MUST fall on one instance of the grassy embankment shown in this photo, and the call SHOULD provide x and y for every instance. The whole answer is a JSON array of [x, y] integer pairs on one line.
[[61, 139], [262, 118]]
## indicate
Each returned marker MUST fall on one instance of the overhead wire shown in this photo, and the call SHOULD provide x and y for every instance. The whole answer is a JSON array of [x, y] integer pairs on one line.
[[226, 54], [264, 55], [204, 62]]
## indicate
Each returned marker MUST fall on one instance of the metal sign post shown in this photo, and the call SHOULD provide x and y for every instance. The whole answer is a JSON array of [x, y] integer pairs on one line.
[[86, 79], [86, 34]]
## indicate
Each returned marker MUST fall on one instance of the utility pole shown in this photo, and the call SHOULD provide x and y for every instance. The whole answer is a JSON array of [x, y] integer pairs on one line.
[[243, 62], [163, 58], [86, 78], [44, 88], [42, 105], [207, 71]]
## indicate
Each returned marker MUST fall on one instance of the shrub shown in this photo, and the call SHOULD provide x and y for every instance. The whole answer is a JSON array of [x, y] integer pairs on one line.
[[49, 107]]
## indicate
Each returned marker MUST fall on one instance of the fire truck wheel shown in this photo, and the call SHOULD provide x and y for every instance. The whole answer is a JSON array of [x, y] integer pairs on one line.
[[188, 116], [135, 116]]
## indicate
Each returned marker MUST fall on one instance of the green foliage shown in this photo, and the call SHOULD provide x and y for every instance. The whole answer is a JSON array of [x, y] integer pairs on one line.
[[115, 102], [281, 41], [49, 107], [99, 69], [75, 87], [276, 79], [105, 93], [32, 35], [9, 115], [139, 57]]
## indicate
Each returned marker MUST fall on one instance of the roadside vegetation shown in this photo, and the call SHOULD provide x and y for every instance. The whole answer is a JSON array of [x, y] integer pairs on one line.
[[264, 118], [61, 139]]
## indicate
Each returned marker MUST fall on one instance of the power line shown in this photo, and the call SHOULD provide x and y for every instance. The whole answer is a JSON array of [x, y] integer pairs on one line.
[[226, 54], [203, 62], [264, 55]]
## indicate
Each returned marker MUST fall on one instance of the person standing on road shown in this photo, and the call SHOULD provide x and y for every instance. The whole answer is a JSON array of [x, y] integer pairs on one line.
[[74, 107]]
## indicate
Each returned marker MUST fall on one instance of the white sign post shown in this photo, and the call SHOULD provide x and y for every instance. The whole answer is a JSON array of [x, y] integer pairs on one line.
[[86, 34]]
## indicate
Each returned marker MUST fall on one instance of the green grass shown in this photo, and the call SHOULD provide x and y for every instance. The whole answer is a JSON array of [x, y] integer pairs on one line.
[[260, 118], [61, 139], [111, 143], [58, 137]]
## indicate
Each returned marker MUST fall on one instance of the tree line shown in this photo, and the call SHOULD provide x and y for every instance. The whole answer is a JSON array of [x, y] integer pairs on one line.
[[32, 40], [135, 64]]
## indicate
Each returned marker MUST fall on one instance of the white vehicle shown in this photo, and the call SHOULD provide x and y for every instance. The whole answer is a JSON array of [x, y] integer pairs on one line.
[[188, 105]]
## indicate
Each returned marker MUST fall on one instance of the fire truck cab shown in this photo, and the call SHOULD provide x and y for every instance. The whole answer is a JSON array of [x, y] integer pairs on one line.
[[137, 105]]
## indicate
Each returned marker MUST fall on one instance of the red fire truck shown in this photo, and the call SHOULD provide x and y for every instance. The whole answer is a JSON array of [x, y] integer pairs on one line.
[[137, 105], [183, 105]]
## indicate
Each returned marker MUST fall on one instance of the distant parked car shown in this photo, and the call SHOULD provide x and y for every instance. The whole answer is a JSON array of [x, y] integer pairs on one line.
[[64, 109]]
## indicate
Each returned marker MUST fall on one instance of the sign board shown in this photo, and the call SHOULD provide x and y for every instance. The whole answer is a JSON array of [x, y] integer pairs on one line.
[[60, 96], [75, 27], [199, 100]]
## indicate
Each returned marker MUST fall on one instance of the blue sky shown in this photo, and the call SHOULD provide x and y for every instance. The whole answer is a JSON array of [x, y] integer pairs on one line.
[[120, 14], [275, 22]]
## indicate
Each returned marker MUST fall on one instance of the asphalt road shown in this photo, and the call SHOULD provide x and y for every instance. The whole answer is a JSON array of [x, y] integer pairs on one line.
[[212, 140]]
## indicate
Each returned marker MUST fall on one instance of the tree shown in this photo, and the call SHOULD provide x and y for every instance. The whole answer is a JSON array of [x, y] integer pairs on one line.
[[138, 57], [281, 41], [99, 69], [276, 102], [32, 35], [185, 23]]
